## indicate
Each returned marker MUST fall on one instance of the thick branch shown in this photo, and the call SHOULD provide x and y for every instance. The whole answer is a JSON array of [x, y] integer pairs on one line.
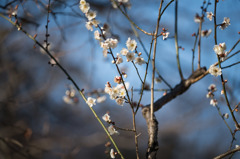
[[153, 124]]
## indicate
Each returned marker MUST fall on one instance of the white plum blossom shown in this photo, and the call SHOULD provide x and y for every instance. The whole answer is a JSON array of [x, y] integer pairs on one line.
[[212, 88], [165, 35], [139, 60], [105, 52], [131, 44], [220, 49], [112, 130], [210, 15], [120, 101], [106, 117], [91, 101], [91, 14], [124, 51], [108, 88], [112, 153], [210, 94], [130, 56], [215, 71], [225, 23], [198, 19], [109, 43], [97, 35], [84, 7], [206, 33], [101, 99], [82, 2], [89, 25], [213, 102]]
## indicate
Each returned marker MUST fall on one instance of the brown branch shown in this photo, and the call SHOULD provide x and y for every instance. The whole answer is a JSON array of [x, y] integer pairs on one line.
[[153, 124], [227, 153]]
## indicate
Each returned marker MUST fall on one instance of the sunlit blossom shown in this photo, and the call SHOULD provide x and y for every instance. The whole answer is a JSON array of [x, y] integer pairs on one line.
[[213, 102], [112, 153], [130, 56], [91, 14], [91, 101], [106, 117], [165, 35], [120, 101], [215, 71], [139, 60], [206, 33], [225, 23], [84, 7], [131, 44], [112, 130], [212, 88], [220, 49], [210, 15], [124, 51]]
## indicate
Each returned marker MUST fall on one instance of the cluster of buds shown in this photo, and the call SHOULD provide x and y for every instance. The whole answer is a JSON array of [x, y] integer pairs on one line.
[[211, 89]]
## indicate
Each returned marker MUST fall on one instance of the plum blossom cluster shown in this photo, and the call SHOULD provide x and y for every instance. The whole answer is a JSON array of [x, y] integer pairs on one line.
[[215, 71], [130, 52], [220, 50], [118, 92], [211, 89], [90, 15], [70, 96], [111, 128], [225, 23]]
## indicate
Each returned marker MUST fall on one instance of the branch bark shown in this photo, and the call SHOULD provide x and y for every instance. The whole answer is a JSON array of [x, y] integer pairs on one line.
[[152, 125]]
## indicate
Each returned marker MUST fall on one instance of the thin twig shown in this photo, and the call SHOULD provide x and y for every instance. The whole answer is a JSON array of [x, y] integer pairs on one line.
[[176, 40], [137, 72]]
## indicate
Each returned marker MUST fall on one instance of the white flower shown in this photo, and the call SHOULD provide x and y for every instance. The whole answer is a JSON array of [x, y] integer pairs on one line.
[[215, 71], [139, 60], [97, 35], [91, 14], [105, 52], [106, 117], [112, 130], [84, 7], [209, 95], [67, 99], [225, 23], [95, 22], [124, 51], [101, 99], [220, 49], [89, 25], [112, 153], [226, 116], [122, 92], [114, 93], [210, 15], [130, 56], [212, 88], [165, 35], [119, 60], [206, 33], [131, 44], [82, 2], [198, 19], [108, 88], [113, 43], [91, 101], [120, 101], [213, 102]]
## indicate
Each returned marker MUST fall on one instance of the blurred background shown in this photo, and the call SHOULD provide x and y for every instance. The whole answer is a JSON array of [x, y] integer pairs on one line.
[[35, 121]]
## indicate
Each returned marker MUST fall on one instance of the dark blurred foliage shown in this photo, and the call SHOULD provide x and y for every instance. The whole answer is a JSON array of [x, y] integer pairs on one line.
[[36, 123]]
